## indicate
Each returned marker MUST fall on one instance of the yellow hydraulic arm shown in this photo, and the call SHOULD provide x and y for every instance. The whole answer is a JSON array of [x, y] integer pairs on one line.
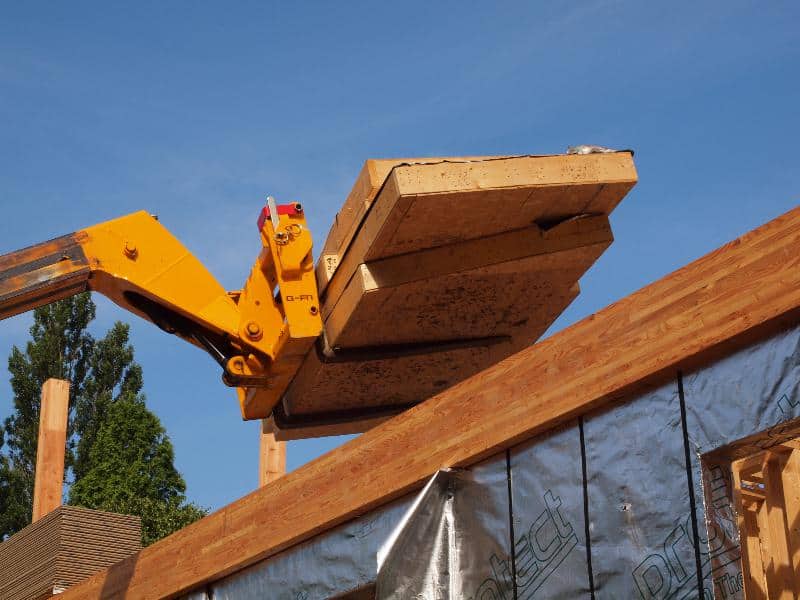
[[258, 336]]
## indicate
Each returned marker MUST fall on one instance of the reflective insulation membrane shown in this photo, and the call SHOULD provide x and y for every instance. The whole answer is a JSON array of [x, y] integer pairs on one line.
[[455, 541], [640, 518], [740, 405], [550, 558], [338, 562]]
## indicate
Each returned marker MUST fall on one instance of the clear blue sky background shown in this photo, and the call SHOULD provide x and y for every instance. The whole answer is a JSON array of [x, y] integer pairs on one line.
[[196, 111]]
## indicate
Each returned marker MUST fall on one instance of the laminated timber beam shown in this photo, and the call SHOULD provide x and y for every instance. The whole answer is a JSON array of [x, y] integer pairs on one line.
[[271, 454], [49, 478], [735, 295]]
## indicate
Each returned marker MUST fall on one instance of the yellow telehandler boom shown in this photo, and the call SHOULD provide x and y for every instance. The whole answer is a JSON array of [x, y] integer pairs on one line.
[[434, 269], [258, 334]]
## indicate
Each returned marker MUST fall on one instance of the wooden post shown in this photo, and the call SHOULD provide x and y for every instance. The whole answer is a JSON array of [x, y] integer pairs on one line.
[[791, 491], [272, 454], [747, 518], [49, 479], [780, 574]]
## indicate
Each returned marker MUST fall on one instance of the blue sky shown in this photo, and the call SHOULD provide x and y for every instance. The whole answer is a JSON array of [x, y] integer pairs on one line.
[[196, 111]]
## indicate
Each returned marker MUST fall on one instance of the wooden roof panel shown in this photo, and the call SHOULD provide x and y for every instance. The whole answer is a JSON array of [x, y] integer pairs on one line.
[[472, 251]]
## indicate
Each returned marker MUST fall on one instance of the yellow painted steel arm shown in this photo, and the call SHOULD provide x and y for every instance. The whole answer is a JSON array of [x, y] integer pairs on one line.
[[257, 335]]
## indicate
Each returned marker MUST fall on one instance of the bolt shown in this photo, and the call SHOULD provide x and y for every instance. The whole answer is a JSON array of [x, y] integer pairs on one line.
[[253, 330], [130, 250], [238, 364], [313, 310]]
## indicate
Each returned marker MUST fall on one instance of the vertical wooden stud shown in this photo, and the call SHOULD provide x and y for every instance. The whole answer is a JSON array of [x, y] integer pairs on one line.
[[791, 494], [272, 454], [49, 480], [763, 536], [755, 580], [780, 574], [755, 586]]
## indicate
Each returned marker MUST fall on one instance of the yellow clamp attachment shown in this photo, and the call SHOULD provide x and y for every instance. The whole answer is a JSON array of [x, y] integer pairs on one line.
[[285, 235]]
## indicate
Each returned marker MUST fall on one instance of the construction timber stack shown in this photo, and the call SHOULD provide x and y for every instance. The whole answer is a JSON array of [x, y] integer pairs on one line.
[[63, 548], [438, 268]]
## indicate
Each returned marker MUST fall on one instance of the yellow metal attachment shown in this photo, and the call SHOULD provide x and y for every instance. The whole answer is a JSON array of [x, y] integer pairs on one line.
[[259, 334], [294, 269], [285, 324]]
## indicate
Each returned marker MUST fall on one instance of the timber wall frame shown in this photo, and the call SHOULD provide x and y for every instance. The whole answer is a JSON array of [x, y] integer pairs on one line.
[[738, 294]]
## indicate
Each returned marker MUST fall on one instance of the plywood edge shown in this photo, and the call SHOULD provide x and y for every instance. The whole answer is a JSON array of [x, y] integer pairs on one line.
[[518, 171], [374, 173], [349, 261], [486, 251], [463, 257], [369, 181], [728, 299], [405, 184]]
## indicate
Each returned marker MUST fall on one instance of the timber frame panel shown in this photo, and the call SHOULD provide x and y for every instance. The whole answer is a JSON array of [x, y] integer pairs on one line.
[[733, 296]]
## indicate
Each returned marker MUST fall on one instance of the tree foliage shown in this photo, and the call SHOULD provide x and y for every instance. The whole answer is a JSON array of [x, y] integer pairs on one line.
[[59, 347], [131, 471], [118, 454], [113, 375]]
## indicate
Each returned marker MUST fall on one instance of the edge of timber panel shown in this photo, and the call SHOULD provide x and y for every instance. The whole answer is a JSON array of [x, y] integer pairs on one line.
[[449, 175]]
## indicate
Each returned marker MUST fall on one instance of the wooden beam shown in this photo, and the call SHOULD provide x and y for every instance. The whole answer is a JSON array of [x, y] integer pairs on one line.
[[787, 446], [736, 295], [272, 454], [49, 481], [754, 580], [749, 466], [790, 476], [755, 585], [752, 494], [762, 522], [781, 582]]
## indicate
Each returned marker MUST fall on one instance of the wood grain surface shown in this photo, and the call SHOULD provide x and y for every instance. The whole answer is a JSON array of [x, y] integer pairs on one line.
[[739, 293]]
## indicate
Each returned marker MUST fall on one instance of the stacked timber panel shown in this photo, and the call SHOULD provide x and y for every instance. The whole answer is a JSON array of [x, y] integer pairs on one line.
[[63, 548], [436, 269]]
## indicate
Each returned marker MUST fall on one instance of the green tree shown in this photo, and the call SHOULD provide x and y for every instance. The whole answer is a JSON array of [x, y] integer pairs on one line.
[[14, 513], [103, 374], [59, 347], [131, 471], [112, 376]]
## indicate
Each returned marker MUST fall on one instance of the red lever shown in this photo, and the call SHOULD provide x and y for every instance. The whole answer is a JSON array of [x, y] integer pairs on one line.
[[283, 209]]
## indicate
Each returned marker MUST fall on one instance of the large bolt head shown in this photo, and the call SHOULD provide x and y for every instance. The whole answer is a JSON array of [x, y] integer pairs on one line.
[[130, 249], [253, 330]]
